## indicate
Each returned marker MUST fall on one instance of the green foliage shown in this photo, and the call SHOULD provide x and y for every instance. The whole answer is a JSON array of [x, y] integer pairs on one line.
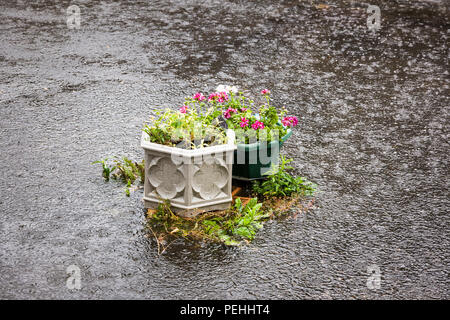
[[231, 227], [164, 222], [158, 134], [280, 183], [190, 130], [128, 171], [239, 223], [248, 222], [125, 170], [265, 113], [127, 189], [106, 168], [197, 123]]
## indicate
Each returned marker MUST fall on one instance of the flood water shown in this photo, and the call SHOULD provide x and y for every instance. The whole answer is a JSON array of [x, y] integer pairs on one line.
[[374, 114]]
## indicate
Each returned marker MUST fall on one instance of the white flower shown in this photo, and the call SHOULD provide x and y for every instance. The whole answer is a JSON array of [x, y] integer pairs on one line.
[[226, 88]]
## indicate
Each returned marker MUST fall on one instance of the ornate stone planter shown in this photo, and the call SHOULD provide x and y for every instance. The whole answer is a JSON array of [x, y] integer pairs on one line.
[[193, 181]]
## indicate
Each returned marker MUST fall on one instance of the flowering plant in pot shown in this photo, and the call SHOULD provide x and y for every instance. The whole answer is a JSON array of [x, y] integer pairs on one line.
[[188, 158], [260, 132]]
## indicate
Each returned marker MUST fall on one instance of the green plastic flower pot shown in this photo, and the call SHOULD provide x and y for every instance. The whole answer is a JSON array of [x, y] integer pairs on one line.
[[258, 158]]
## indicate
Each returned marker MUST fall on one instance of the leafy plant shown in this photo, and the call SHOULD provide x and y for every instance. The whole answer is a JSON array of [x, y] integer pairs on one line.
[[195, 125], [266, 124], [128, 170], [241, 224], [249, 221], [280, 183], [198, 123], [229, 226], [125, 169], [105, 167], [127, 189]]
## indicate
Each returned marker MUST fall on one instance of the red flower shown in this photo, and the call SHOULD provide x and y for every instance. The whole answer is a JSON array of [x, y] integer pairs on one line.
[[290, 121], [258, 125], [199, 96], [227, 113], [244, 122]]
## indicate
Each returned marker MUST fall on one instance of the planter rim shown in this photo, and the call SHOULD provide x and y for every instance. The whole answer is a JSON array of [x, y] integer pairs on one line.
[[231, 145], [255, 145]]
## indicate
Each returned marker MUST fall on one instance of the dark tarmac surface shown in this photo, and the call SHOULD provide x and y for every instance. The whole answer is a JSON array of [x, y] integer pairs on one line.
[[373, 134]]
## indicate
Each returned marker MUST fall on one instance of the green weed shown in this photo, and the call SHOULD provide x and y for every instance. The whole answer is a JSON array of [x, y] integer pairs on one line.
[[280, 183], [125, 170], [106, 169]]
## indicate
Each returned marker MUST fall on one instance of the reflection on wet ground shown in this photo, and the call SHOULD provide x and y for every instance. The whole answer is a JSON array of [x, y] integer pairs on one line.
[[373, 135]]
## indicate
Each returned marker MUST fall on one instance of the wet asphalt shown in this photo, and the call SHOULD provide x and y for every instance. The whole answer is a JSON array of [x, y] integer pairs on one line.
[[374, 130]]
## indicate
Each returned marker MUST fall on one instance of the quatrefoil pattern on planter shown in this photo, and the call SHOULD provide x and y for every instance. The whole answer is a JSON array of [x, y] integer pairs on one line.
[[194, 181], [165, 177], [209, 178]]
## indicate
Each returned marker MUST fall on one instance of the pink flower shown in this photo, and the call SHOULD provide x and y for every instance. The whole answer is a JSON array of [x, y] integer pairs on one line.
[[212, 96], [286, 122], [244, 122], [258, 125], [243, 109], [199, 96], [265, 91], [224, 95], [289, 121], [184, 109], [227, 113], [218, 96], [294, 120]]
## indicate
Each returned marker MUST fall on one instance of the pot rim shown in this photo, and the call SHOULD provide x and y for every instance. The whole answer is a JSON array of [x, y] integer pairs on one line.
[[256, 145], [231, 145]]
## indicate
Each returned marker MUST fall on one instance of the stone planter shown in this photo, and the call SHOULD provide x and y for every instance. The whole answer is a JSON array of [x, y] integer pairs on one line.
[[193, 181], [252, 160]]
